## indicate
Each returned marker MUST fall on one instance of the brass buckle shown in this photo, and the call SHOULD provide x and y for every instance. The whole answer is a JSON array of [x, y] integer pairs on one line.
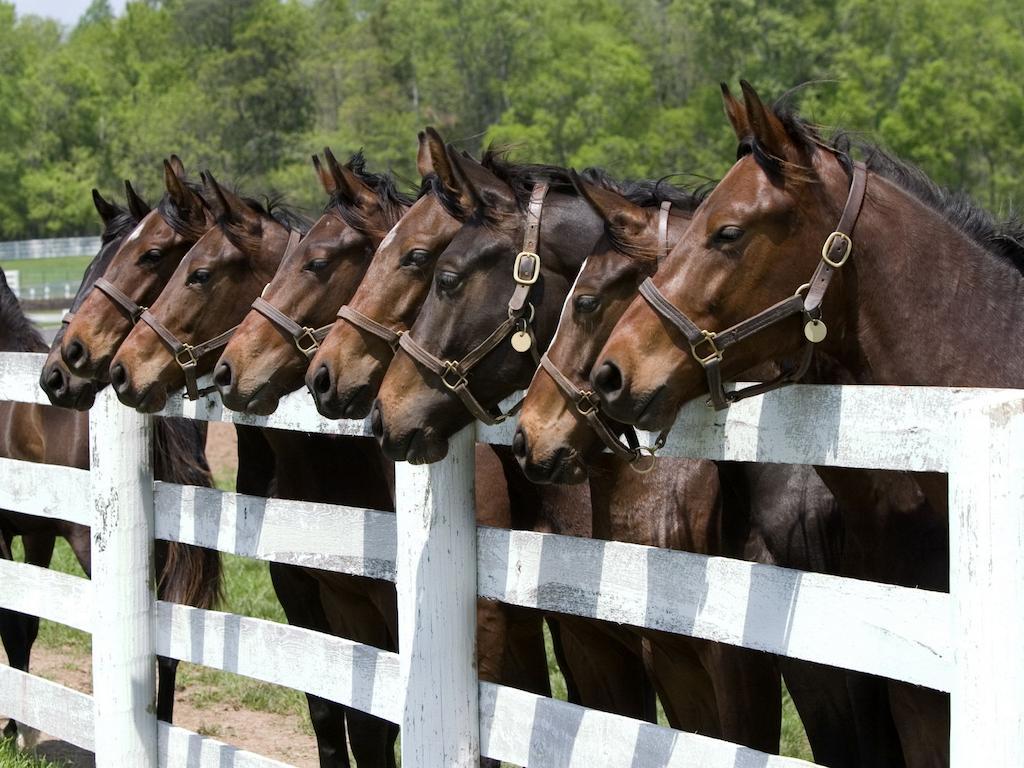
[[191, 362], [714, 354], [585, 398], [520, 258], [847, 242], [308, 334], [449, 368]]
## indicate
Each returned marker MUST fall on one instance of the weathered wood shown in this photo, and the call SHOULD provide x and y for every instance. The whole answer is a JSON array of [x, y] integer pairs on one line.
[[344, 671], [436, 584], [124, 689], [885, 630], [181, 748], [333, 538], [987, 584], [526, 729], [45, 490], [47, 706], [19, 377], [48, 594]]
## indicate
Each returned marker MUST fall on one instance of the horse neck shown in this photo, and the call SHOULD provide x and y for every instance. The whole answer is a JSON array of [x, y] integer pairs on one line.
[[17, 334], [569, 233], [924, 303]]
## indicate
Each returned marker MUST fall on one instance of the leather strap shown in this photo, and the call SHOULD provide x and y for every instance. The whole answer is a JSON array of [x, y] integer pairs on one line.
[[186, 355], [454, 373], [707, 347], [368, 324], [68, 317], [666, 206], [122, 300]]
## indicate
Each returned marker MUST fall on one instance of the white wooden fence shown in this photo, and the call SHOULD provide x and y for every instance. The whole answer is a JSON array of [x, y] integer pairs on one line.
[[969, 643]]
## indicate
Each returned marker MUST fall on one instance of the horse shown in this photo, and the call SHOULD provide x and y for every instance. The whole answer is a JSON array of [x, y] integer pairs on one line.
[[63, 388], [479, 278], [185, 574], [857, 313], [771, 514], [208, 294]]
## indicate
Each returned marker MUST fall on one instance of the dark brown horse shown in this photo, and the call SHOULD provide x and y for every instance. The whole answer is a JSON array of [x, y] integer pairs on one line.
[[925, 270], [140, 268], [43, 434], [64, 388], [771, 513], [208, 294]]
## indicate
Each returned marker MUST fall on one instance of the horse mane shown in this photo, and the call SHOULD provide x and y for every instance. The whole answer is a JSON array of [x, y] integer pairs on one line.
[[21, 334], [119, 225], [393, 201], [181, 224], [273, 207], [1004, 239]]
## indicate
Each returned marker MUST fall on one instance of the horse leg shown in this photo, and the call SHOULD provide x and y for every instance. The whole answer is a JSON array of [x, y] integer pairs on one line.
[[921, 716], [299, 595], [18, 631]]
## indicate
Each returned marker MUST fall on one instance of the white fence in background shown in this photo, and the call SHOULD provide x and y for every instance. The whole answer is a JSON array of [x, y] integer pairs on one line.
[[967, 642], [12, 250]]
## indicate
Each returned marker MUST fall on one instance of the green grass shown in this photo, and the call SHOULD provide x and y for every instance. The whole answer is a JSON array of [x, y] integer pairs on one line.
[[10, 757], [60, 269]]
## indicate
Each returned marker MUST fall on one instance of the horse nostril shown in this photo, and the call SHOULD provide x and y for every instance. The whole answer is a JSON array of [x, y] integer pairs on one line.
[[55, 381], [222, 376], [608, 378], [74, 354], [322, 380], [118, 378], [377, 422], [519, 444]]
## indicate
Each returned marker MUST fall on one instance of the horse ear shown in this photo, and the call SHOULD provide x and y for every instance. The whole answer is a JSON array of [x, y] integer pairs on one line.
[[424, 163], [485, 192], [324, 175], [451, 185], [764, 125], [181, 194], [350, 189], [221, 204], [177, 166], [138, 207], [106, 209], [736, 113], [618, 213]]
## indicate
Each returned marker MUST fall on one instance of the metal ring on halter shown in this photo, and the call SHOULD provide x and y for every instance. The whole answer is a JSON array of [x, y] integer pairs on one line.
[[529, 318], [186, 349], [308, 335], [637, 466]]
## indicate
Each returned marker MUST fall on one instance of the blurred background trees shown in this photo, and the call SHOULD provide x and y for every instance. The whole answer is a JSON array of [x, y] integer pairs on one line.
[[250, 88]]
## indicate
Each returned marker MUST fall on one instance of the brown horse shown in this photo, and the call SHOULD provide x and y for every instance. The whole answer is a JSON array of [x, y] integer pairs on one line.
[[764, 227], [387, 301], [775, 514], [185, 574], [140, 268], [475, 278], [65, 389], [209, 294]]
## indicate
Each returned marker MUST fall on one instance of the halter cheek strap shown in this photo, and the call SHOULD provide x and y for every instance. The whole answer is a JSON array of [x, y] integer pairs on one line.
[[588, 405], [120, 299], [454, 373], [708, 347]]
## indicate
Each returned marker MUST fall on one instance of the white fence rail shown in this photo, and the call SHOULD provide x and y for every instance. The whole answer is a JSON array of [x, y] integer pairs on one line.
[[967, 642], [47, 248]]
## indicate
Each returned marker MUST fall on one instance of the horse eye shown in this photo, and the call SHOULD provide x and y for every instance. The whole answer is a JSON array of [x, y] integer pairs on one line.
[[150, 257], [585, 304], [728, 234], [416, 258], [448, 281], [199, 277], [316, 265]]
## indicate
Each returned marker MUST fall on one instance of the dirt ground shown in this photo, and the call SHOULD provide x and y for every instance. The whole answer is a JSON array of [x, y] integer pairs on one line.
[[222, 449]]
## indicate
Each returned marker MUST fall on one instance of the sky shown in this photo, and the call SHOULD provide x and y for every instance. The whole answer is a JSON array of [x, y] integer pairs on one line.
[[65, 11]]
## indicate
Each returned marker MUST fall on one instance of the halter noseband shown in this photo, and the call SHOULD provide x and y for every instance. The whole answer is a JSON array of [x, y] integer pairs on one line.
[[588, 405], [186, 355], [708, 347], [307, 340], [519, 325]]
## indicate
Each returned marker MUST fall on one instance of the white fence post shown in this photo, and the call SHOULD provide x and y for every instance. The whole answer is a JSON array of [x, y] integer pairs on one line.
[[986, 524], [124, 688], [436, 581]]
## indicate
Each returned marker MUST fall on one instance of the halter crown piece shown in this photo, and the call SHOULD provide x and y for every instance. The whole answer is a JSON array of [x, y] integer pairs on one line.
[[588, 405], [519, 325], [708, 347]]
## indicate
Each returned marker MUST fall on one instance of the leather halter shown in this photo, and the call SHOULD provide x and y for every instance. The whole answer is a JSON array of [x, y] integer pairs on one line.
[[707, 347], [120, 299], [307, 340], [526, 270], [186, 355], [588, 405]]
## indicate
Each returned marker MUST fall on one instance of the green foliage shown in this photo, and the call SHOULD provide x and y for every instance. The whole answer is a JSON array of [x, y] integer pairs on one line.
[[251, 88]]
